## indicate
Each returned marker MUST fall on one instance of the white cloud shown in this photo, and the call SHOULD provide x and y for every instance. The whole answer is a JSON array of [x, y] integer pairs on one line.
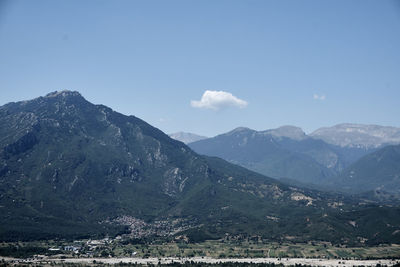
[[216, 100], [319, 97]]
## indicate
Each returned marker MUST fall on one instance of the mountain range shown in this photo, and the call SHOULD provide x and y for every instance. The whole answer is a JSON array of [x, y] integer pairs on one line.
[[72, 169], [320, 158], [286, 152]]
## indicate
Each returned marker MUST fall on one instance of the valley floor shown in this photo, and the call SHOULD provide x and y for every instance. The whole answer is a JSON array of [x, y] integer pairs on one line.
[[207, 260], [118, 251]]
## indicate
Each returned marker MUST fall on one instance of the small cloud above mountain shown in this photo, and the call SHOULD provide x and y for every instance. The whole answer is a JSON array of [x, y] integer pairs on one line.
[[216, 100]]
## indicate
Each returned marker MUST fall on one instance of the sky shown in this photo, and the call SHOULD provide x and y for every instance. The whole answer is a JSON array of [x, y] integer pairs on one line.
[[207, 66]]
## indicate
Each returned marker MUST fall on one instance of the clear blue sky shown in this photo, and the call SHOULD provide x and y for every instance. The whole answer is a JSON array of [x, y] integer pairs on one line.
[[304, 63]]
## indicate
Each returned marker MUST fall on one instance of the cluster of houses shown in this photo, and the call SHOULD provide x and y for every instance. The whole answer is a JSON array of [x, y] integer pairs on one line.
[[89, 245], [87, 248], [139, 228]]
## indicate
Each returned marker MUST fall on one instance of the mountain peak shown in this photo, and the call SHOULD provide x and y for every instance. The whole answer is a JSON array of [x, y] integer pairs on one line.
[[187, 137], [289, 131], [63, 93], [62, 98], [239, 130]]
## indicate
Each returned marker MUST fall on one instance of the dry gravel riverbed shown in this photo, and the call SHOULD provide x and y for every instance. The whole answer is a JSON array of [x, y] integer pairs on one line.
[[145, 261]]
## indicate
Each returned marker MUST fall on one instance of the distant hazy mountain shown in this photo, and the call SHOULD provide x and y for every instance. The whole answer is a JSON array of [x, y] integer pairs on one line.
[[379, 170], [186, 137], [358, 135], [285, 152], [288, 131]]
